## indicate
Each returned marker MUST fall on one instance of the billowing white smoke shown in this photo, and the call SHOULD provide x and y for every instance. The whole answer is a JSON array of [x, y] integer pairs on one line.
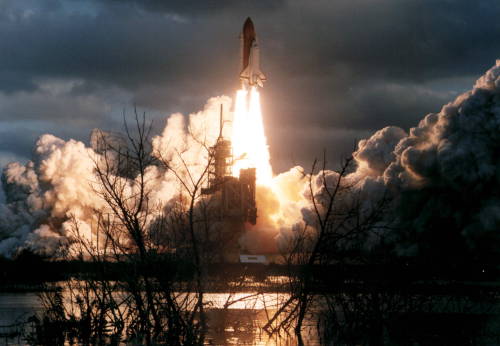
[[445, 175], [42, 195], [443, 178], [45, 197]]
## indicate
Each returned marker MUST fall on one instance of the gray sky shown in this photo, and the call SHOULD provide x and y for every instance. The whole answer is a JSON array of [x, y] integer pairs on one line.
[[337, 70]]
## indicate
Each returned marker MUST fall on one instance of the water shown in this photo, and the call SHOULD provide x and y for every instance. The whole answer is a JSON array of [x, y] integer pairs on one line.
[[240, 322], [238, 319], [16, 308]]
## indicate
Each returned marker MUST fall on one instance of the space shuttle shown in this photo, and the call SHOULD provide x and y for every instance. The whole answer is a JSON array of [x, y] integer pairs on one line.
[[250, 74]]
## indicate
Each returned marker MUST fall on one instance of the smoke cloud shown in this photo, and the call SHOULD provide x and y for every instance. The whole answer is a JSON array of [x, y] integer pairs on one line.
[[445, 174], [443, 178]]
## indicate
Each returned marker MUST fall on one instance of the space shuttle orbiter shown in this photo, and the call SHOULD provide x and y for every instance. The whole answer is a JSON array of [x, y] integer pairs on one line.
[[250, 74]]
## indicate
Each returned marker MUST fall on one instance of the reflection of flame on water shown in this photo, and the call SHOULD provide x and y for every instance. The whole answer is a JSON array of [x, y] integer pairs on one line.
[[234, 318], [249, 141], [247, 300]]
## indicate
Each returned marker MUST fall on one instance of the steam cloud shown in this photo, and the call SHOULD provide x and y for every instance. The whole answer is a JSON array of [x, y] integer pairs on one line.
[[443, 177]]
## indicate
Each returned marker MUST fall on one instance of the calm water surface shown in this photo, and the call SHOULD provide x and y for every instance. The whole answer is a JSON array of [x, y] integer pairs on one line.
[[240, 324]]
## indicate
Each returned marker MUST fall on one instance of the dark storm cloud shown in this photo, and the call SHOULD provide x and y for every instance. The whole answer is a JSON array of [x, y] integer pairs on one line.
[[114, 48], [396, 39], [196, 7], [314, 143], [116, 43], [123, 45], [11, 142], [351, 66]]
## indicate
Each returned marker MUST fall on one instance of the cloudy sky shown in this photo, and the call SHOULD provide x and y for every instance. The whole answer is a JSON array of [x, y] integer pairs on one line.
[[337, 70]]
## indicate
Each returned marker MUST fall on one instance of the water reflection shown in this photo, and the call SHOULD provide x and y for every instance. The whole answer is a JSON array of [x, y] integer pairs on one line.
[[239, 318], [232, 318]]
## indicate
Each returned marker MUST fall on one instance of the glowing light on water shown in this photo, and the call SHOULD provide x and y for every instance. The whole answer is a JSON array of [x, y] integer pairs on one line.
[[250, 148]]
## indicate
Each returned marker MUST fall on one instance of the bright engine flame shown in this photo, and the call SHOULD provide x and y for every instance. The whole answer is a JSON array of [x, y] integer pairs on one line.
[[249, 141]]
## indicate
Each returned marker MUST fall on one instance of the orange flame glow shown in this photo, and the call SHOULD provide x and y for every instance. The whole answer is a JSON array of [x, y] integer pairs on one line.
[[249, 141]]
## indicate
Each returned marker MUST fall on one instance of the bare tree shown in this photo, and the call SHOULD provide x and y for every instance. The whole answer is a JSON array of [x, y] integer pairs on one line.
[[338, 225], [135, 291]]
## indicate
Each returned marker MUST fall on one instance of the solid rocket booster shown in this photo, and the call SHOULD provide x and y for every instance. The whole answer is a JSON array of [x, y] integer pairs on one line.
[[250, 70]]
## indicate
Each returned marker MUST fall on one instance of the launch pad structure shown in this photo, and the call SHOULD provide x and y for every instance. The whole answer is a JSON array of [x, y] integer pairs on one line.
[[237, 194]]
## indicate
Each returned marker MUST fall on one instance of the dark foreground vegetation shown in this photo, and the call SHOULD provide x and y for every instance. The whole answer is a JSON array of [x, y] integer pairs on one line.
[[92, 303], [352, 312]]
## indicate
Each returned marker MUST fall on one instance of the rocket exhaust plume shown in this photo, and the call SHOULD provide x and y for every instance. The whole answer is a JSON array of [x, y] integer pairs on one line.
[[249, 141]]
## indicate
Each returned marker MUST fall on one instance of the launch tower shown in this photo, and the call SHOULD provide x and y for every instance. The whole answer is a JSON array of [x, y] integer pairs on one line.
[[237, 195]]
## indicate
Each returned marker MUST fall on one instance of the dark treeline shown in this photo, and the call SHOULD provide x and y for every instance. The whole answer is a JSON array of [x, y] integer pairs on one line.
[[31, 268], [37, 270]]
